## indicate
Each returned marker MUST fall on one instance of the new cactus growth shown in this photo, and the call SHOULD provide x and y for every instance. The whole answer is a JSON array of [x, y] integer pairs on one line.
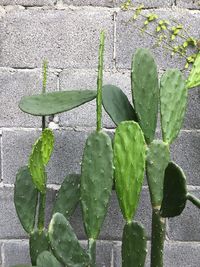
[[194, 76]]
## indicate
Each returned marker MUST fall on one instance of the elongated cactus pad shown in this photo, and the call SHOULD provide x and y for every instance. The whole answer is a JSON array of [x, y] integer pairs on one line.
[[46, 259], [36, 166], [145, 91], [129, 161], [56, 102], [65, 244], [134, 245], [194, 76], [96, 181], [38, 243], [47, 145], [173, 100], [117, 105], [25, 199], [175, 191], [68, 196], [158, 157]]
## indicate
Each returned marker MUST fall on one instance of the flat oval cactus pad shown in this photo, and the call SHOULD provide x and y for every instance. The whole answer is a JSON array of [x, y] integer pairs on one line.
[[56, 102]]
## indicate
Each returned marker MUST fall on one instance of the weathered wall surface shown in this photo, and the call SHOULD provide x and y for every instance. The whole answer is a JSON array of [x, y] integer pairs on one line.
[[66, 32]]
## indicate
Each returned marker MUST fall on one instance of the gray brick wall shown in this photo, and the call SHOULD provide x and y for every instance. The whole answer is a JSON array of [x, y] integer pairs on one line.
[[66, 32]]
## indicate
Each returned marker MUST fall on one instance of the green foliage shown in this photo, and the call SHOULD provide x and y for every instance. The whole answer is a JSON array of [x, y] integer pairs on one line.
[[194, 76], [117, 105], [145, 91], [65, 244], [47, 145], [129, 161], [134, 245], [68, 196], [56, 102], [25, 199], [46, 259], [158, 157], [96, 181], [173, 101]]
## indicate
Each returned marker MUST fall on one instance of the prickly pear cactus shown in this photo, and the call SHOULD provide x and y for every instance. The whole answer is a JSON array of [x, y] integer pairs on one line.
[[129, 162], [68, 196], [194, 76], [36, 166], [175, 191], [38, 243], [47, 145], [145, 91], [117, 105], [158, 157], [96, 181], [65, 244], [134, 245], [46, 259], [25, 199], [173, 100]]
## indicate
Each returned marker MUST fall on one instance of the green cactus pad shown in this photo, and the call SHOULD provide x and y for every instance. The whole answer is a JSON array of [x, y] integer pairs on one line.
[[68, 196], [129, 161], [96, 181], [38, 243], [56, 102], [46, 259], [65, 244], [173, 100], [47, 145], [117, 105], [145, 91], [175, 191], [158, 157], [36, 166], [25, 199], [134, 245], [194, 76]]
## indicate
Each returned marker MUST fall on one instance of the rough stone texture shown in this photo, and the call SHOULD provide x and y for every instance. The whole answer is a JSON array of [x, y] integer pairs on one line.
[[186, 227], [108, 3], [68, 38], [17, 83], [28, 2], [149, 3], [193, 4], [129, 38]]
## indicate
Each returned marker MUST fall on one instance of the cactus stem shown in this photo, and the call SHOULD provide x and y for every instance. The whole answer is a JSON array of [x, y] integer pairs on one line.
[[41, 212], [157, 238], [100, 82], [44, 82], [193, 199], [92, 251]]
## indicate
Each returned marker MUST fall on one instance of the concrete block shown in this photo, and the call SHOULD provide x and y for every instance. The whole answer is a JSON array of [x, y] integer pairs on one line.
[[67, 38], [186, 226], [129, 37], [185, 152], [149, 3], [191, 4], [87, 79], [14, 85], [106, 3], [15, 252], [28, 2]]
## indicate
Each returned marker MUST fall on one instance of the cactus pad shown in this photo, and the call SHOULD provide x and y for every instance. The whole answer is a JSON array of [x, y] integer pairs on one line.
[[96, 181], [25, 198], [175, 191], [134, 245], [56, 102], [38, 243], [145, 91], [68, 196], [173, 100], [129, 161], [36, 166], [194, 76], [158, 157], [47, 145], [65, 244], [117, 105], [46, 259]]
